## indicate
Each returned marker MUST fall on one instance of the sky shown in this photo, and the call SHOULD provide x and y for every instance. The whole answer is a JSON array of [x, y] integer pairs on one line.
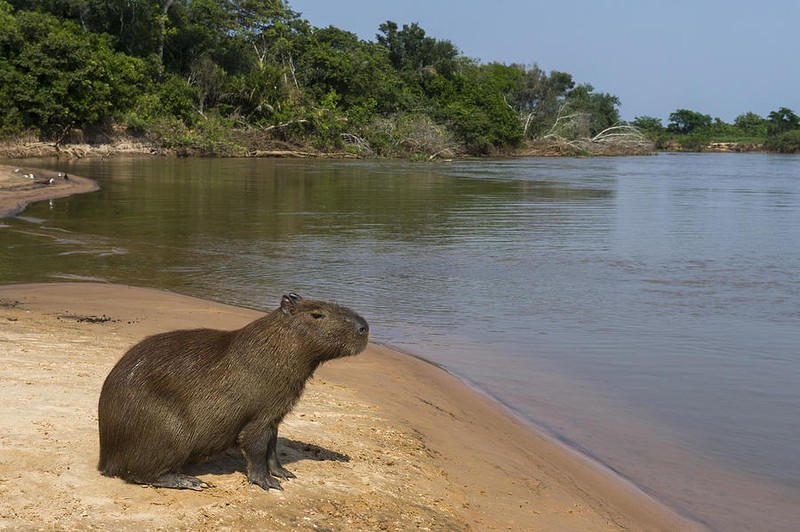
[[716, 57]]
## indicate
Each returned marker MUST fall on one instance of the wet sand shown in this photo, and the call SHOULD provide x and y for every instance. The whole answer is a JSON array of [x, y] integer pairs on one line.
[[17, 190], [381, 441]]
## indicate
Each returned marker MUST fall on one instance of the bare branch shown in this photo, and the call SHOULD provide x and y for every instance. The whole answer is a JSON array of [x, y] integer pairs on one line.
[[285, 124]]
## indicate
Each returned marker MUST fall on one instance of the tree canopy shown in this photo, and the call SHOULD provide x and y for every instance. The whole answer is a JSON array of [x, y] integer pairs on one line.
[[178, 70]]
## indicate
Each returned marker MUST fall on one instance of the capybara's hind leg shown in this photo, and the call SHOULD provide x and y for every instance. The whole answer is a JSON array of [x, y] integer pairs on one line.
[[179, 481]]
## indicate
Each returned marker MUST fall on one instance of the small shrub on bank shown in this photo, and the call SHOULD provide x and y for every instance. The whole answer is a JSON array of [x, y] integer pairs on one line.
[[788, 142], [211, 137], [408, 135], [694, 141]]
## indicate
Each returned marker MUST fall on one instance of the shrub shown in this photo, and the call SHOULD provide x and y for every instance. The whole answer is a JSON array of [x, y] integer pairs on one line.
[[408, 135], [694, 141], [788, 142]]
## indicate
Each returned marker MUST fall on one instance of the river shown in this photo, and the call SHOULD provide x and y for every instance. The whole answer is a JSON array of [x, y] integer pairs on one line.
[[644, 310]]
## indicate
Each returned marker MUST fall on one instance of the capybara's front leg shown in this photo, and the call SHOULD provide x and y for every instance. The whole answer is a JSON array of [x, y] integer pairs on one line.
[[273, 464], [254, 442]]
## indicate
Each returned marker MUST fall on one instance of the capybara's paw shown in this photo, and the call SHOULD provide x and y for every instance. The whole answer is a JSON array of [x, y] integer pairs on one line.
[[266, 482], [180, 481], [282, 472]]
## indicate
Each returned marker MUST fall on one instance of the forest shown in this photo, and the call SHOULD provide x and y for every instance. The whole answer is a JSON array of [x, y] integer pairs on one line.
[[249, 77]]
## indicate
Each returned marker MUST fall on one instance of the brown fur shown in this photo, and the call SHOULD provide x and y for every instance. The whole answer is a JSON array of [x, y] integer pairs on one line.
[[183, 396]]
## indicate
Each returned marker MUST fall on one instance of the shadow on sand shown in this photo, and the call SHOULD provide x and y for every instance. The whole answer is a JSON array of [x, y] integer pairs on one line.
[[289, 452]]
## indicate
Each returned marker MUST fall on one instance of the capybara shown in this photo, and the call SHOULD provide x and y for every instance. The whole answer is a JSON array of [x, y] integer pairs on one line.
[[184, 396]]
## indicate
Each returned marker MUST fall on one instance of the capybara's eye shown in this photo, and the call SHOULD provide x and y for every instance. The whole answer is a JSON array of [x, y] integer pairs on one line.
[[317, 315]]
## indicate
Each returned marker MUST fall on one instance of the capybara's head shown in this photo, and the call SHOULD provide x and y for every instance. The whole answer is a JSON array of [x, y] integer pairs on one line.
[[327, 330]]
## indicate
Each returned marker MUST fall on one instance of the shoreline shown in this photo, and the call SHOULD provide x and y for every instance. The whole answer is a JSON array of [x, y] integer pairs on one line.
[[127, 147], [378, 435], [17, 191]]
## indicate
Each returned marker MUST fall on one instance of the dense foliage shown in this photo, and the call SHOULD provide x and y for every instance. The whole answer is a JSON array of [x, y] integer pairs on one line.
[[240, 76], [222, 76]]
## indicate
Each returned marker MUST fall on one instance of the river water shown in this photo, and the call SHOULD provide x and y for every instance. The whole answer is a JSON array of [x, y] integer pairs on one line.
[[644, 310]]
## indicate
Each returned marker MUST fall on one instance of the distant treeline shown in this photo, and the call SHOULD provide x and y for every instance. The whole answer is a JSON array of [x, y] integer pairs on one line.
[[778, 132], [231, 77]]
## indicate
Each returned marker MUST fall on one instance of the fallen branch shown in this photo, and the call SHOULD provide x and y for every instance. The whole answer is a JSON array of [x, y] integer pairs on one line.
[[360, 142], [285, 124], [438, 153]]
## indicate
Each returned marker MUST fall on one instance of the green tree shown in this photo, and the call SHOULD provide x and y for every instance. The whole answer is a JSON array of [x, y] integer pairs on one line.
[[138, 27], [56, 76], [600, 107], [415, 54], [474, 106], [202, 30], [539, 98], [782, 120], [648, 124], [684, 121], [359, 72], [721, 130], [783, 130], [751, 124]]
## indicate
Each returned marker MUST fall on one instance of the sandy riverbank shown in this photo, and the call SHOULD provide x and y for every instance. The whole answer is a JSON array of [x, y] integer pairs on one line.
[[379, 441], [17, 190]]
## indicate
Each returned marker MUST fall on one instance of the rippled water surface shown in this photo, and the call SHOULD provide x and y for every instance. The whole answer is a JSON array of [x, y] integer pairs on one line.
[[644, 310]]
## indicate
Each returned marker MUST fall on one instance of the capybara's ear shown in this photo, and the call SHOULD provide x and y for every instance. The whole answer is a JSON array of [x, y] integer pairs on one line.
[[294, 297], [288, 304]]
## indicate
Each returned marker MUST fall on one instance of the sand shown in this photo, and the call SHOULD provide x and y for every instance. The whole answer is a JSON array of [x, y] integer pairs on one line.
[[380, 441], [17, 190]]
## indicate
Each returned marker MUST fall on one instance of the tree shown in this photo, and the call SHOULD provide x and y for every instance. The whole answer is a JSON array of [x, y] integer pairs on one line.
[[209, 79], [684, 121], [783, 130], [648, 124], [751, 124], [600, 107], [56, 76], [477, 110], [415, 54], [782, 120], [539, 98], [359, 72]]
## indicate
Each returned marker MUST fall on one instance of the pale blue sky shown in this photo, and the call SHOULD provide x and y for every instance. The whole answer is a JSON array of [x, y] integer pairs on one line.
[[717, 57]]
